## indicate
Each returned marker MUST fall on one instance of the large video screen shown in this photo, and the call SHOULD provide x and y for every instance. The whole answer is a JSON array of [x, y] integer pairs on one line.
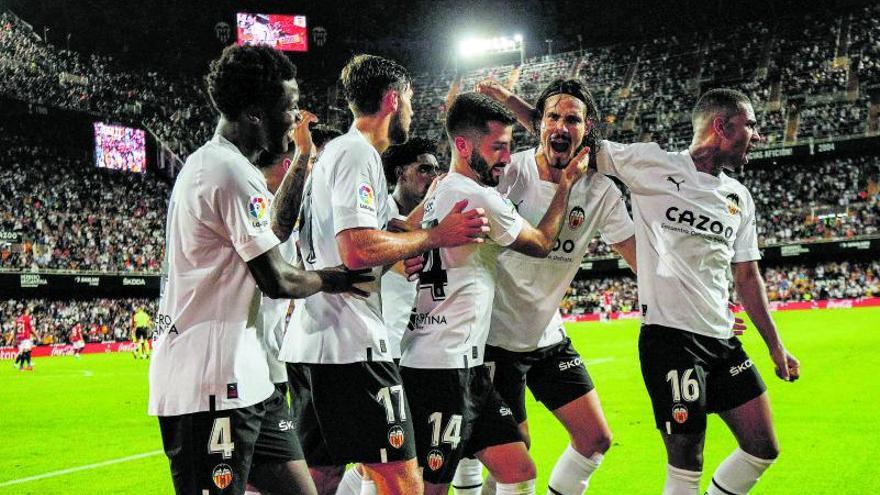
[[282, 32], [120, 148]]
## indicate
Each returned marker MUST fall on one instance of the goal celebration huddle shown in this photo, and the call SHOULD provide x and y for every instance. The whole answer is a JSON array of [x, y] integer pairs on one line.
[[425, 295]]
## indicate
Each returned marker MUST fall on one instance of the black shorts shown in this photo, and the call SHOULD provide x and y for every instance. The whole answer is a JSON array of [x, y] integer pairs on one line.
[[456, 413], [555, 374], [212, 452], [140, 333], [354, 412], [689, 375]]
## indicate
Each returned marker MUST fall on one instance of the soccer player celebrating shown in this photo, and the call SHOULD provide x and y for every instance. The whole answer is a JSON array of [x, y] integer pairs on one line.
[[527, 344], [456, 411], [411, 168], [342, 373], [209, 379], [693, 224]]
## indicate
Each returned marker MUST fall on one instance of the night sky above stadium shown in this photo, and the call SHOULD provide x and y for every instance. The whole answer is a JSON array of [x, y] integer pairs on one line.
[[182, 35]]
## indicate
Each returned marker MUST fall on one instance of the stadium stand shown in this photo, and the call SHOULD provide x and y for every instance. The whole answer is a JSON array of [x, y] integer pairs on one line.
[[794, 282]]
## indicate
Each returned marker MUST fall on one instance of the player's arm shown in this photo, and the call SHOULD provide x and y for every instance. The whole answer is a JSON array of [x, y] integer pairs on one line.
[[288, 197], [277, 278], [753, 296], [627, 250], [365, 247], [525, 113], [538, 241]]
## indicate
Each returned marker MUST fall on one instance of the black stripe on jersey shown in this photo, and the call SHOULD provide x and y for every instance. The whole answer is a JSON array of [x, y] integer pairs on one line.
[[720, 488], [551, 490], [369, 354], [212, 403]]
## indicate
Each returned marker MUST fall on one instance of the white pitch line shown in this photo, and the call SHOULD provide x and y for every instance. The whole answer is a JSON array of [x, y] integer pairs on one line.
[[81, 468]]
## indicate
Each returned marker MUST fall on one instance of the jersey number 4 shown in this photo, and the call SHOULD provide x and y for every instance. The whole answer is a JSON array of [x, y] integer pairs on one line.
[[221, 438], [433, 276]]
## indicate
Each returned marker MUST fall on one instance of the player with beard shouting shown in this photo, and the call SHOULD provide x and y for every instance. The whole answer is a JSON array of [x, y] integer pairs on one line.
[[456, 411]]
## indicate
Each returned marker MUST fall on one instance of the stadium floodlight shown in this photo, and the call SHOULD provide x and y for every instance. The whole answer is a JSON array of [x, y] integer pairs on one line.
[[473, 47]]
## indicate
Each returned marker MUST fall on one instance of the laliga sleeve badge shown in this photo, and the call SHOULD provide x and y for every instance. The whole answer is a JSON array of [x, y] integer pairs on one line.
[[679, 413], [435, 460], [365, 197], [395, 437], [222, 476]]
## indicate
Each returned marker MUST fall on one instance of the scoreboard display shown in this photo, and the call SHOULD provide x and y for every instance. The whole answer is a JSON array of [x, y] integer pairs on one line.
[[282, 32], [120, 148]]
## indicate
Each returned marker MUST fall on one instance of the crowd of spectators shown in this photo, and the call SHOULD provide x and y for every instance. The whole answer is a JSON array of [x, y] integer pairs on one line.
[[102, 320], [72, 215], [829, 280]]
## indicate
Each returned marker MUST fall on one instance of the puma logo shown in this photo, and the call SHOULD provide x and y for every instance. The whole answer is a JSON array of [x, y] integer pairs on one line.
[[677, 183]]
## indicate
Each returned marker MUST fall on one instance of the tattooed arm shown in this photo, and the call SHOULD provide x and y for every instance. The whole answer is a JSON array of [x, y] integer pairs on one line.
[[288, 198]]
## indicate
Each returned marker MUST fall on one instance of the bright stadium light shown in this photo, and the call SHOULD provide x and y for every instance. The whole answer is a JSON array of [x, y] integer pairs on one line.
[[471, 47]]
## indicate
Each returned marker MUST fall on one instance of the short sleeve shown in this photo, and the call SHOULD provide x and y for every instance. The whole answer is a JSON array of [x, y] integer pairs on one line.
[[745, 246], [616, 225], [243, 204], [354, 192], [505, 223], [628, 162]]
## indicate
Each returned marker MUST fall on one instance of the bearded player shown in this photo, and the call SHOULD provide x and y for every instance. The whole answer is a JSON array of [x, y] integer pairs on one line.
[[527, 344], [341, 367]]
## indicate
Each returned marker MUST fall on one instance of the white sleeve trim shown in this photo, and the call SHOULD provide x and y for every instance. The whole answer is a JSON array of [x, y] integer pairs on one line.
[[257, 245]]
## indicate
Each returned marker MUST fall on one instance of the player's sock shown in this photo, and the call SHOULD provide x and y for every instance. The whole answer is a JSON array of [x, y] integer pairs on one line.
[[468, 479], [351, 483], [681, 481], [738, 473], [521, 488], [571, 474]]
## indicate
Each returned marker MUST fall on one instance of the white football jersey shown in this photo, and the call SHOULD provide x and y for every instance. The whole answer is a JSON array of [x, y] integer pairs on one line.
[[208, 354], [690, 226], [450, 323], [525, 315], [398, 296], [346, 190], [273, 318]]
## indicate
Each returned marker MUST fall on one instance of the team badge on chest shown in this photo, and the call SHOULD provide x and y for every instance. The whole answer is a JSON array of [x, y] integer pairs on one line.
[[576, 218]]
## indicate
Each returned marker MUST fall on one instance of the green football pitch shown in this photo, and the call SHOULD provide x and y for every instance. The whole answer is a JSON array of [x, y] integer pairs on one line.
[[80, 426]]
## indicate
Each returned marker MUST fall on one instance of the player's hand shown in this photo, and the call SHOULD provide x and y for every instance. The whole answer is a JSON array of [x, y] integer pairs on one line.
[[739, 325], [460, 227], [301, 135], [788, 367], [412, 267], [397, 225], [577, 167], [340, 279], [493, 89]]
